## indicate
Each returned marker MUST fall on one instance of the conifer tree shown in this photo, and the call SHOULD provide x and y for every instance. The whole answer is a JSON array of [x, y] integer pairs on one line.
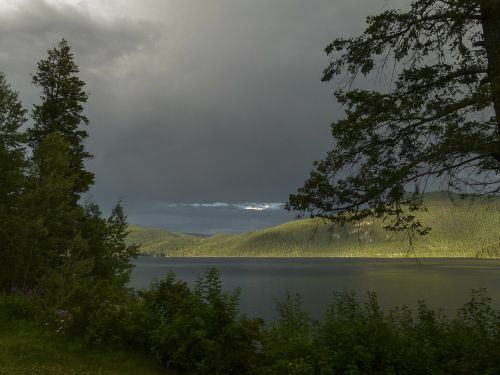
[[50, 244], [12, 163], [61, 109], [73, 248], [57, 176], [54, 234]]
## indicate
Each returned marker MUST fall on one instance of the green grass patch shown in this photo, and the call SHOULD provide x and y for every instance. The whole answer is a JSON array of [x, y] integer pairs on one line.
[[26, 348]]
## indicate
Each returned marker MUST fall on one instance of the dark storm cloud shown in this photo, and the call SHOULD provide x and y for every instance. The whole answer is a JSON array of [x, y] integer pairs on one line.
[[32, 27], [193, 101]]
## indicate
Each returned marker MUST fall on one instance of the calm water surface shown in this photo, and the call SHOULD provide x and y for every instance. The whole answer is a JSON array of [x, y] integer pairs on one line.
[[444, 283]]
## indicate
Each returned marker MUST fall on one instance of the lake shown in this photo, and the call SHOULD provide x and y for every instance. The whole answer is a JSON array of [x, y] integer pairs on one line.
[[445, 283]]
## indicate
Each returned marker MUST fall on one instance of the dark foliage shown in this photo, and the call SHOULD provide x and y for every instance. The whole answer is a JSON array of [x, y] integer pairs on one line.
[[12, 164], [199, 331], [361, 339], [61, 253], [61, 108], [438, 120]]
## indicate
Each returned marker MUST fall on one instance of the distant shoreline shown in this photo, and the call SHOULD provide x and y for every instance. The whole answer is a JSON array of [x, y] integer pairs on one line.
[[318, 257]]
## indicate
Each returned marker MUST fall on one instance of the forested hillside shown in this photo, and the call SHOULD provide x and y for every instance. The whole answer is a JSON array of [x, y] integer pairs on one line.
[[459, 228]]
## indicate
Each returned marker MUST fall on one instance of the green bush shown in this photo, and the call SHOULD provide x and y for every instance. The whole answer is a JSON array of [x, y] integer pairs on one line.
[[355, 338], [199, 331], [83, 300], [361, 339], [119, 322], [474, 337], [287, 347]]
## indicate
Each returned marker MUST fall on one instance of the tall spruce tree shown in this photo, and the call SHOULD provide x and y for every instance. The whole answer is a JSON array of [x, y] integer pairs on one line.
[[73, 249], [54, 224], [56, 176], [61, 109], [438, 120], [12, 163]]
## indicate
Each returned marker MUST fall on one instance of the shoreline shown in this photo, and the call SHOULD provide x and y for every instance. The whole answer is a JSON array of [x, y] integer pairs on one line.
[[317, 257]]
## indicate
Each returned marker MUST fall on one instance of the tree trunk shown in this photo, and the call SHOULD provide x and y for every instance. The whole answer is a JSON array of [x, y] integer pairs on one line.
[[490, 12]]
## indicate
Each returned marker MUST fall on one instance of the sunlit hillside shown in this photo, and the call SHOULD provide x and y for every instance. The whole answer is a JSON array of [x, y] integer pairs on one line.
[[159, 242], [459, 228]]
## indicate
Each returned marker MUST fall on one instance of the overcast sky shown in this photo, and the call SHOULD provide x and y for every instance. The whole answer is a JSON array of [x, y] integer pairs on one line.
[[193, 101]]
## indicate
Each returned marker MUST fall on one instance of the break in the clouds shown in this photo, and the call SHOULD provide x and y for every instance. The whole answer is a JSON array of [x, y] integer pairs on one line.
[[192, 100], [259, 206], [239, 206], [207, 219]]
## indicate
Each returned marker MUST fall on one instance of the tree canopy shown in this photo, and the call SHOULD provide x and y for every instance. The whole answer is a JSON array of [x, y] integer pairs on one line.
[[438, 120]]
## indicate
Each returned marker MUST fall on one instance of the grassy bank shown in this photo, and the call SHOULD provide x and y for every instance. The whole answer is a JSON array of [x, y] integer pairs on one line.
[[27, 348], [460, 228]]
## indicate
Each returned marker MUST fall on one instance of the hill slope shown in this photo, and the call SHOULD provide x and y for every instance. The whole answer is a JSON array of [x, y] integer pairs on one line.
[[459, 228], [155, 241]]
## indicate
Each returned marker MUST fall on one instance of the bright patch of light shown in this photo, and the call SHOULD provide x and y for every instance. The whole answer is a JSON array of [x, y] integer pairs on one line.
[[9, 5], [259, 206], [90, 5], [239, 206], [197, 205], [95, 8], [212, 205], [62, 3]]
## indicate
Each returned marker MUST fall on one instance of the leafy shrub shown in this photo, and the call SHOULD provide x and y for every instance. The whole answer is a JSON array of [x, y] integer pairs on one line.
[[361, 339], [199, 331], [287, 346], [118, 321], [355, 338], [86, 298], [473, 340]]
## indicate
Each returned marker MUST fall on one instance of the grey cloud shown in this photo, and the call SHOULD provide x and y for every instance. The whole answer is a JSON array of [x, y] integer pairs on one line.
[[39, 25], [99, 44], [194, 101]]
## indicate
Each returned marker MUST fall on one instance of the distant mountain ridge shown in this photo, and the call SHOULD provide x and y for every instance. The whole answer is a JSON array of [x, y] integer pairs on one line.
[[459, 228]]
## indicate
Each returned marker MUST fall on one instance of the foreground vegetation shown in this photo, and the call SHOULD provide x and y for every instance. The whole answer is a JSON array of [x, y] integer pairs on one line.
[[201, 331], [29, 348], [460, 228]]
